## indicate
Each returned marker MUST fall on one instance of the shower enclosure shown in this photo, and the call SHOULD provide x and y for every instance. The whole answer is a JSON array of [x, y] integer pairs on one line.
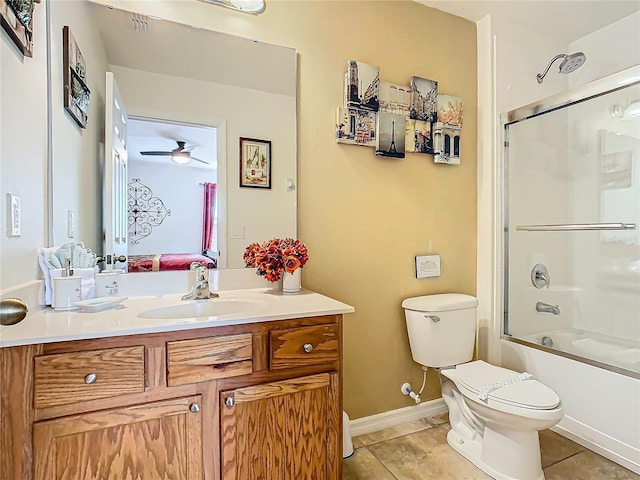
[[572, 224], [571, 255]]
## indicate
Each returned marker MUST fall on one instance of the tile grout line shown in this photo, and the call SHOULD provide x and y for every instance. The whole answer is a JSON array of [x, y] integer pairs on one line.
[[404, 434], [381, 462], [566, 458]]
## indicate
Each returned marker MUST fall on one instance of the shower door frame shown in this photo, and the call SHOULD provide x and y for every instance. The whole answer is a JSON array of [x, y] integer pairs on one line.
[[596, 88]]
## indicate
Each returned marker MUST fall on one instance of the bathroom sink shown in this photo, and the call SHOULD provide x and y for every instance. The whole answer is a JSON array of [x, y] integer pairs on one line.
[[214, 307]]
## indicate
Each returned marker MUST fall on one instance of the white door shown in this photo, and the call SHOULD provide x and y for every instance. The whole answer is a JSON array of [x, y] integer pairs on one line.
[[115, 216]]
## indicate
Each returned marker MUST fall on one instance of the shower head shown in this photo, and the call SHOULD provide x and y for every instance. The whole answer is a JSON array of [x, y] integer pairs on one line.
[[570, 63]]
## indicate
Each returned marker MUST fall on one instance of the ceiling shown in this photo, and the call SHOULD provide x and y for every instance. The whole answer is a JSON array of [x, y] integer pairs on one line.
[[566, 20], [147, 135]]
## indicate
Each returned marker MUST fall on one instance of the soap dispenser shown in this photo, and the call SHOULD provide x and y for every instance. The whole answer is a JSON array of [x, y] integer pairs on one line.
[[67, 289]]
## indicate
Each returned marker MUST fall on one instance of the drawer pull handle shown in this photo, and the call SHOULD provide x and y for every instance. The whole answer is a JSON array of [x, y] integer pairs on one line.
[[90, 379], [308, 347], [194, 408], [229, 402]]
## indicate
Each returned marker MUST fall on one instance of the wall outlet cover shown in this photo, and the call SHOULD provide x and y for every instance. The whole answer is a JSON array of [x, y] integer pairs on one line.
[[427, 266]]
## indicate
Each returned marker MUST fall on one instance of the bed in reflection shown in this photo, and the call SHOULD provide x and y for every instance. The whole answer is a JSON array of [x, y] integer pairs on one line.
[[168, 261]]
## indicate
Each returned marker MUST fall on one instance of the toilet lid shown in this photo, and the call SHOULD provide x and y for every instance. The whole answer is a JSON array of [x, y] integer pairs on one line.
[[480, 376]]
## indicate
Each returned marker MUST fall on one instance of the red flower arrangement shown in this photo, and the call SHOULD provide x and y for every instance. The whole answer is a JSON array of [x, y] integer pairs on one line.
[[275, 256]]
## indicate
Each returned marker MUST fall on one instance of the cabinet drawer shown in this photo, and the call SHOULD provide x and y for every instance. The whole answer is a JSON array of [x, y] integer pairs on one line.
[[204, 359], [76, 377], [303, 346]]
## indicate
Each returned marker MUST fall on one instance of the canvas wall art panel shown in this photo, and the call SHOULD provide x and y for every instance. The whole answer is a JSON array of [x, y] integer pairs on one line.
[[355, 126], [424, 99], [418, 138], [362, 86], [395, 98], [390, 141], [447, 131]]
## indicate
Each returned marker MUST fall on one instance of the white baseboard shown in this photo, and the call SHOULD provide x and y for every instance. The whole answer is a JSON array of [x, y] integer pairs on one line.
[[380, 421], [602, 444]]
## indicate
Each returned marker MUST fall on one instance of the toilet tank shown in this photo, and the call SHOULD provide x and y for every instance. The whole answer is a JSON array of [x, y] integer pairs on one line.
[[441, 328]]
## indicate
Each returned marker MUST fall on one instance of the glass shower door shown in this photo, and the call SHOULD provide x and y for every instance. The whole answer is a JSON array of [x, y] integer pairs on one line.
[[572, 242]]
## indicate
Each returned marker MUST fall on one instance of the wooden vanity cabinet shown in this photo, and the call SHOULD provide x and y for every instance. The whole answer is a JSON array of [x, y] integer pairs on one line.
[[243, 402]]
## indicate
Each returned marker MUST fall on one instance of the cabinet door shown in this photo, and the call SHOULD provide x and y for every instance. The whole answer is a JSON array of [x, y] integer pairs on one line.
[[288, 430], [160, 440]]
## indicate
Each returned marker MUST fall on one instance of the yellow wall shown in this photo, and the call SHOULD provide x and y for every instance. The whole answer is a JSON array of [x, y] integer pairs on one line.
[[364, 217]]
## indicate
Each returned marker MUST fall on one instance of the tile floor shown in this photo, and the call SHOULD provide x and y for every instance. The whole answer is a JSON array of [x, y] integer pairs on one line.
[[419, 451]]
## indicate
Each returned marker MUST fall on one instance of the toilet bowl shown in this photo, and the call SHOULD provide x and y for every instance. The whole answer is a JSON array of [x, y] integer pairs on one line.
[[499, 433], [495, 413]]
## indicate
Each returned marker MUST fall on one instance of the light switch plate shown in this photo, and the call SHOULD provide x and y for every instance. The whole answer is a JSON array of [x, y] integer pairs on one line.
[[427, 266], [15, 216], [71, 224], [237, 232]]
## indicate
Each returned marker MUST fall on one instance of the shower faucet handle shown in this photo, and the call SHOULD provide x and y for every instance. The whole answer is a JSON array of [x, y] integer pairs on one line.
[[540, 276]]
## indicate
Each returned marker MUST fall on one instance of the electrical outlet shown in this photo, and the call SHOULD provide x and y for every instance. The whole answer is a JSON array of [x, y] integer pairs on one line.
[[427, 266]]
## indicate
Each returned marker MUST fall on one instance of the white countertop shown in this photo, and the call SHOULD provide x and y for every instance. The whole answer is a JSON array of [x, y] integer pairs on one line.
[[49, 325]]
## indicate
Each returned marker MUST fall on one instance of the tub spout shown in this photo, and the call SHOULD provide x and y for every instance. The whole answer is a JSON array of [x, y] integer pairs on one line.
[[546, 308]]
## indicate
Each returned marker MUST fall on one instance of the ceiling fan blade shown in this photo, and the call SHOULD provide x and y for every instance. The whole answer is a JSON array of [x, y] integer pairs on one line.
[[156, 153], [201, 161]]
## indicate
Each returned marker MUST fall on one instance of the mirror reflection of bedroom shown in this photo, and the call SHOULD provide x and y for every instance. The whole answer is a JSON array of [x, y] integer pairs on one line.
[[172, 195]]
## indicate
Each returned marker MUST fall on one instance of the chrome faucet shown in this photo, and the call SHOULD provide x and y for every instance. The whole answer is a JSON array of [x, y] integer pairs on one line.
[[546, 308], [201, 287]]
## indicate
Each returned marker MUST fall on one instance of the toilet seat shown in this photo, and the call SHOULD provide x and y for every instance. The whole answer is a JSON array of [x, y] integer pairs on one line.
[[508, 387]]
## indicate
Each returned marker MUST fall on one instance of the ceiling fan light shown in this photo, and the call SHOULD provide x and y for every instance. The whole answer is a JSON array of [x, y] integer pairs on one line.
[[249, 6], [181, 158], [253, 7]]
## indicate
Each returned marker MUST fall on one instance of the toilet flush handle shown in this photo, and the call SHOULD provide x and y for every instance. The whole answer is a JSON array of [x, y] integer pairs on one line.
[[433, 318]]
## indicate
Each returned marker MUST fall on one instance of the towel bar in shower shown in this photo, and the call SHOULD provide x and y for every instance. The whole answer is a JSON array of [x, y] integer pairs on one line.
[[567, 227]]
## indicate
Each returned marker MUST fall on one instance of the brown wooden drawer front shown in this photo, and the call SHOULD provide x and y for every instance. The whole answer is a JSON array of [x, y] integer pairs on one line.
[[287, 346], [204, 359], [66, 377]]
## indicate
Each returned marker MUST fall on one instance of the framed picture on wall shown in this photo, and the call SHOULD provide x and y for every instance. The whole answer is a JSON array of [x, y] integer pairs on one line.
[[16, 17], [76, 92], [255, 163]]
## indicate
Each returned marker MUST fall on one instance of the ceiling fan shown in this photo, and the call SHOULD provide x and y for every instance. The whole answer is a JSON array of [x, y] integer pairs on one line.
[[180, 155]]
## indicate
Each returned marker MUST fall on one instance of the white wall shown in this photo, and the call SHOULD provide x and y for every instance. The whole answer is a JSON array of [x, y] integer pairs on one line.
[[247, 113], [77, 176], [178, 187], [23, 152], [599, 421], [609, 50]]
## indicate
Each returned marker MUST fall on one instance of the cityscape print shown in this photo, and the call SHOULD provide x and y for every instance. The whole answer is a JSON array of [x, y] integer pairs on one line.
[[396, 119], [355, 126], [362, 85], [391, 136], [447, 130]]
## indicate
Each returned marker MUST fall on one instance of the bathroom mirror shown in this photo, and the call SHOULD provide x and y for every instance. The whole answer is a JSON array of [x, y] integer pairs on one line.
[[184, 76]]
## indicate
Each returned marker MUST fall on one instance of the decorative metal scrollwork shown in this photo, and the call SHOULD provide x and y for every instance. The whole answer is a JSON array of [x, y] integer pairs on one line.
[[145, 211]]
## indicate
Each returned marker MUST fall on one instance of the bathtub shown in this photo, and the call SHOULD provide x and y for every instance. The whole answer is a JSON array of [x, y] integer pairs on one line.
[[598, 382], [620, 355]]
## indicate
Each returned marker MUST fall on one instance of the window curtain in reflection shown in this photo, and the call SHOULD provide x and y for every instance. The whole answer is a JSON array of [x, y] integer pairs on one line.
[[208, 216]]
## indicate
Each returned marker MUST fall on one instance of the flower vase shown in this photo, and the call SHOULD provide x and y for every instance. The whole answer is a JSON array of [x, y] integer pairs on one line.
[[291, 282]]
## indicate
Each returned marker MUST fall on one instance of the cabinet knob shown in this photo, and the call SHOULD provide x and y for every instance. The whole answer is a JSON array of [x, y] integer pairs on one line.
[[194, 408], [308, 347], [229, 402], [90, 379]]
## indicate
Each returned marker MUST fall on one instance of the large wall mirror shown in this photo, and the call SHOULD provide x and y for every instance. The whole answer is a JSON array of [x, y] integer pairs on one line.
[[185, 90]]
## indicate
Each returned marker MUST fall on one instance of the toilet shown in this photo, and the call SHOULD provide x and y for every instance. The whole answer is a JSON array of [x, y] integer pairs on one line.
[[495, 413]]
